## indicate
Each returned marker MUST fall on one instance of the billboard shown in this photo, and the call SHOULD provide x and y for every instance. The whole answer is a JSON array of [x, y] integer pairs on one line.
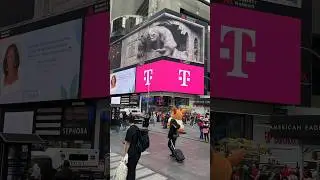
[[272, 6], [18, 122], [256, 60], [169, 76], [95, 64], [163, 35], [41, 65], [123, 82]]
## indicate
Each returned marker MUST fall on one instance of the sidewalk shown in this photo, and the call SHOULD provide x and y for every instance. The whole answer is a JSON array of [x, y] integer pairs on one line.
[[158, 161]]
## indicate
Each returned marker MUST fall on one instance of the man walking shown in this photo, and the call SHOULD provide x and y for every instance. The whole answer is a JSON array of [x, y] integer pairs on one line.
[[134, 155], [173, 135]]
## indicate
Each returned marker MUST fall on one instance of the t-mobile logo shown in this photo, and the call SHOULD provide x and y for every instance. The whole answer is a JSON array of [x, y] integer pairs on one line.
[[237, 59], [147, 76], [184, 76]]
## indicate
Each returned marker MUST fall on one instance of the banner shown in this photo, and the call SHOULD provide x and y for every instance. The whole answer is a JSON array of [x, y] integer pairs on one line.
[[123, 82], [95, 64], [164, 35], [281, 7], [257, 59], [41, 65], [168, 76], [299, 127]]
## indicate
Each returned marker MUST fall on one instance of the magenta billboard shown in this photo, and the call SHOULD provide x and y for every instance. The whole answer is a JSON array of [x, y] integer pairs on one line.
[[95, 65], [255, 56], [169, 76]]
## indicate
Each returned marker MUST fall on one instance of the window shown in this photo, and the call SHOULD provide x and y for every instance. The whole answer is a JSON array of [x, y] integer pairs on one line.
[[15, 11]]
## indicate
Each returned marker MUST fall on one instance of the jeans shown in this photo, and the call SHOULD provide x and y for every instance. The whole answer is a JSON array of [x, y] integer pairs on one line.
[[174, 143], [206, 136], [132, 165], [201, 133]]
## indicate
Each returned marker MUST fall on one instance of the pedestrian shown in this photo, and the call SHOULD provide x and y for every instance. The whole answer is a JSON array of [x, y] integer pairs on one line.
[[153, 119], [124, 121], [146, 120], [130, 144], [65, 173], [206, 130], [192, 121], [121, 119], [158, 116], [173, 135], [36, 172], [118, 124], [130, 118], [200, 124]]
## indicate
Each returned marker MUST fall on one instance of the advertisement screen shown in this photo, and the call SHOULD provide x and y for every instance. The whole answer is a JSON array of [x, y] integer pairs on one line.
[[165, 35], [169, 76], [123, 82], [254, 60], [41, 65], [18, 122], [95, 67]]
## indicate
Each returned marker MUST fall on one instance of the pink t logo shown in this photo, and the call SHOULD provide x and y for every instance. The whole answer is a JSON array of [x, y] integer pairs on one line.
[[148, 76], [184, 76], [238, 48]]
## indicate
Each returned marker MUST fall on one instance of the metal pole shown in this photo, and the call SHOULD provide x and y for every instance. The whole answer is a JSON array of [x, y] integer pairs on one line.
[[148, 98], [302, 160]]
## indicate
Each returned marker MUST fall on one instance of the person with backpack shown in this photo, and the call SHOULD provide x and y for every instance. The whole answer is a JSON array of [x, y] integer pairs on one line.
[[136, 142], [173, 135]]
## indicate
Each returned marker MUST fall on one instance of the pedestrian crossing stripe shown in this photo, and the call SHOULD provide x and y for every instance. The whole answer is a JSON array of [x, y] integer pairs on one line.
[[142, 172]]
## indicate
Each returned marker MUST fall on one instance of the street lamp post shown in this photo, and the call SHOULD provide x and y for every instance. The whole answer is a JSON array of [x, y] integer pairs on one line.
[[148, 98]]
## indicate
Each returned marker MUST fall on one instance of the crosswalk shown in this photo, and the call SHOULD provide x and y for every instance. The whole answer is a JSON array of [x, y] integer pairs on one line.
[[142, 172]]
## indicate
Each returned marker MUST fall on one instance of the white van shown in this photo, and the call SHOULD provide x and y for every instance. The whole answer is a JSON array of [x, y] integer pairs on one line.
[[134, 111]]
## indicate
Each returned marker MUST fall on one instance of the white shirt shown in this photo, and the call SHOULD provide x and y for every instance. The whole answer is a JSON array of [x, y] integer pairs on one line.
[[113, 90], [11, 93]]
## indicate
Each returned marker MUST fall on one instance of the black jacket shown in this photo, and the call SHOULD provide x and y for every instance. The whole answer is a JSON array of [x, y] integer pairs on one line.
[[173, 129]]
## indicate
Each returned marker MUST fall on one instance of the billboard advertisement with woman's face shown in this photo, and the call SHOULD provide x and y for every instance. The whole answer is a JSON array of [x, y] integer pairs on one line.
[[169, 76], [123, 82], [41, 65]]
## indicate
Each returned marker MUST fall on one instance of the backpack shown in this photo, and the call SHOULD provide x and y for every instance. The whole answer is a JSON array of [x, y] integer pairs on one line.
[[143, 141]]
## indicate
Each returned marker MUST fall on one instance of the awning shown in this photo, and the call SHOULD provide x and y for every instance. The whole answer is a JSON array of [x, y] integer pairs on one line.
[[21, 138]]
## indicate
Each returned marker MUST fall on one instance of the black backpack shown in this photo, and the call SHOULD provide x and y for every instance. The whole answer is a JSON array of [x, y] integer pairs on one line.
[[143, 141]]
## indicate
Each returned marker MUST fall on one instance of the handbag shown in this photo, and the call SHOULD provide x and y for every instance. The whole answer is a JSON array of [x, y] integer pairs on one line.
[[122, 170]]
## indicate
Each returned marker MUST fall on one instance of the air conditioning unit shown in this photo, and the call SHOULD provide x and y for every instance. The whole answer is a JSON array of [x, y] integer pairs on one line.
[[124, 24]]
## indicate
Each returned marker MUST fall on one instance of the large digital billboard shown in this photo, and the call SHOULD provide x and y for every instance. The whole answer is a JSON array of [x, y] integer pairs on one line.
[[41, 65], [257, 59], [123, 82], [95, 63], [164, 34], [169, 76]]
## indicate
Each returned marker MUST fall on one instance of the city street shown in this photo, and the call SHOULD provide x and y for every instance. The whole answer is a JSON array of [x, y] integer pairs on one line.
[[156, 162]]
